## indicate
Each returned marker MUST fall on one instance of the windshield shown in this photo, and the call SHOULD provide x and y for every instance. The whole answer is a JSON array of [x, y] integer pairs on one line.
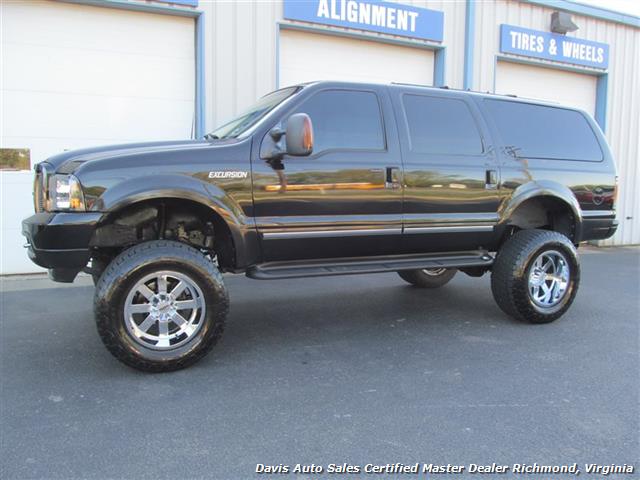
[[247, 119]]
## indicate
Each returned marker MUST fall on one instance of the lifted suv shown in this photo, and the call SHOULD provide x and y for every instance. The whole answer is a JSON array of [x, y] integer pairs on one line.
[[319, 179]]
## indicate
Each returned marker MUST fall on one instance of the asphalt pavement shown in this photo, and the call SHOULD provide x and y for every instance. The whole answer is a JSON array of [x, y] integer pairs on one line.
[[356, 369]]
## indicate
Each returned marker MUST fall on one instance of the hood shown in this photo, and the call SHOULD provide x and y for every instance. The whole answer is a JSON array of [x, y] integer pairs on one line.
[[68, 162]]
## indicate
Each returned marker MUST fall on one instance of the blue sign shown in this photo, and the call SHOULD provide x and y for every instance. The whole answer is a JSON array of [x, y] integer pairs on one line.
[[372, 15], [553, 46]]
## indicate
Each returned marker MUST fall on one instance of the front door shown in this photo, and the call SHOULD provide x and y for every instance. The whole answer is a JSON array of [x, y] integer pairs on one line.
[[343, 200], [451, 190]]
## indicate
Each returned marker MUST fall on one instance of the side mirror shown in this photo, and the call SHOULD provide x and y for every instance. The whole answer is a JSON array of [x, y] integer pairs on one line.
[[299, 136]]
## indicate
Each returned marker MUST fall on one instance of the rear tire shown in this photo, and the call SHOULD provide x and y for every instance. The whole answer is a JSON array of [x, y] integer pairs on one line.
[[160, 306], [535, 276], [428, 277]]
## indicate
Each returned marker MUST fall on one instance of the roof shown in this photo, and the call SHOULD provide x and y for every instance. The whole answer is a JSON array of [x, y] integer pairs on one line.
[[430, 88]]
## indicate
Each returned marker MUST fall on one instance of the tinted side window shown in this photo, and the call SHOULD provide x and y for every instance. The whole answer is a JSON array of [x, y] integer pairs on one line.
[[344, 119], [537, 131], [441, 126]]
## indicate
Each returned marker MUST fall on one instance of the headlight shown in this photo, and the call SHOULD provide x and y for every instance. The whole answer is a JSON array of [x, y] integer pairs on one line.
[[66, 194]]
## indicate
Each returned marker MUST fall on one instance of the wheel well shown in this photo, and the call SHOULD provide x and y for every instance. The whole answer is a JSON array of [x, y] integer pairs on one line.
[[186, 221], [544, 212]]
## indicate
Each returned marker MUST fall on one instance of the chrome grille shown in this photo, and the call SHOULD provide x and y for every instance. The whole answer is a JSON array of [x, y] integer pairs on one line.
[[37, 192], [40, 190]]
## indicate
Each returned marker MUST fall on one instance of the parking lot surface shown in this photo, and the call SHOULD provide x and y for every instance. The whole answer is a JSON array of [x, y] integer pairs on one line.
[[344, 369]]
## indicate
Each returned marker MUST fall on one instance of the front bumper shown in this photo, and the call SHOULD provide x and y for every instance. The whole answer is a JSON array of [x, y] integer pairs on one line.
[[60, 241]]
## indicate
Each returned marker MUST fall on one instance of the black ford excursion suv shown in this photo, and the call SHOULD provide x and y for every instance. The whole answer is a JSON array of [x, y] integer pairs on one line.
[[325, 178]]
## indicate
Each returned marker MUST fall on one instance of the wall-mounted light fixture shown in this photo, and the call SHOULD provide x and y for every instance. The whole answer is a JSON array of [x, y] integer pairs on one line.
[[561, 23]]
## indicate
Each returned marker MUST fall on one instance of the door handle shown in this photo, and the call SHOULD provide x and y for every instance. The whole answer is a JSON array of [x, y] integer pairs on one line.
[[491, 179], [391, 180]]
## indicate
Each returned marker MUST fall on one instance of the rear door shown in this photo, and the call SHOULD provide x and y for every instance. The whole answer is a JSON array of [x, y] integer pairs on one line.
[[345, 199], [451, 178]]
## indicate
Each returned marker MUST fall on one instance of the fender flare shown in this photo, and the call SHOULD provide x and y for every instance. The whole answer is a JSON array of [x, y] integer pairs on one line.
[[542, 188], [132, 191]]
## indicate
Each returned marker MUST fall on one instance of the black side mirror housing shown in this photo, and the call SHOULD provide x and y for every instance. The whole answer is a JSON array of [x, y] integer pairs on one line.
[[296, 140], [299, 135]]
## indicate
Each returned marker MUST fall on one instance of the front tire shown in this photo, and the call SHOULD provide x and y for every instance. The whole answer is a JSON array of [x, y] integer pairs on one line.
[[160, 306], [536, 275], [428, 277]]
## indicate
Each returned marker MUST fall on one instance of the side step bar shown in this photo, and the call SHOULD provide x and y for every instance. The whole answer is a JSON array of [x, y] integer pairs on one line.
[[348, 266]]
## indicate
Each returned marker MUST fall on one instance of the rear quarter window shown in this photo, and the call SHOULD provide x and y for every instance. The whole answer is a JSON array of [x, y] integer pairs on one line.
[[539, 131]]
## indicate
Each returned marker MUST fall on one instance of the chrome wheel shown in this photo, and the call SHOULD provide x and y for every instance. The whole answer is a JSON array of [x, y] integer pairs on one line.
[[434, 272], [164, 310], [549, 279]]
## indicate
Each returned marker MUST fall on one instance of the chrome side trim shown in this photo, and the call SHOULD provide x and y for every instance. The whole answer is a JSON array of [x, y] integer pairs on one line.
[[377, 221], [375, 231], [450, 229], [599, 213], [330, 233], [468, 218]]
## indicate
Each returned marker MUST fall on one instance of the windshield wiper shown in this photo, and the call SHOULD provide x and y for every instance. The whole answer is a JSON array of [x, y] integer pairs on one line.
[[247, 122], [211, 136]]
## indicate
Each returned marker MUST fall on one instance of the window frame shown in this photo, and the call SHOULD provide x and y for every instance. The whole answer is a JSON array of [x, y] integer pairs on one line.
[[503, 143], [483, 141]]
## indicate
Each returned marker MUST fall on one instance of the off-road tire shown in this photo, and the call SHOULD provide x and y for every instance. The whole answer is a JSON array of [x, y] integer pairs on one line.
[[512, 267], [422, 279], [134, 264]]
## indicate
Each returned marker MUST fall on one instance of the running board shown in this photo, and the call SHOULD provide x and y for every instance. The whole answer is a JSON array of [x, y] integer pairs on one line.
[[349, 266]]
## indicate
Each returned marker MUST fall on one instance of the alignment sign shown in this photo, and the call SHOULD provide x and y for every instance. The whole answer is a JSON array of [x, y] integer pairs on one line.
[[372, 15]]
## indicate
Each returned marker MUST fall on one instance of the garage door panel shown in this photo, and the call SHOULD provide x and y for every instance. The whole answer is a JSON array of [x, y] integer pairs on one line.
[[86, 116], [63, 25], [78, 86], [51, 69], [540, 83], [75, 76], [308, 56]]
